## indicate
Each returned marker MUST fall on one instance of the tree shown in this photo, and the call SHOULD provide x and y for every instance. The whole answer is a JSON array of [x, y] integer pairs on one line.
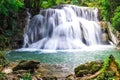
[[116, 19], [8, 6]]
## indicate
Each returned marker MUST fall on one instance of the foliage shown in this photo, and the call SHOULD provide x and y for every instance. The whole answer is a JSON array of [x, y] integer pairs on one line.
[[8, 22], [8, 6], [75, 2], [108, 8], [105, 64], [32, 3], [107, 75], [116, 19], [3, 60], [2, 76], [27, 76], [4, 41], [105, 9], [50, 3], [103, 5]]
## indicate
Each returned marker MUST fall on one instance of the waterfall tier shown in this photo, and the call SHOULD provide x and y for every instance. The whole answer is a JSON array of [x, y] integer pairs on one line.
[[65, 27]]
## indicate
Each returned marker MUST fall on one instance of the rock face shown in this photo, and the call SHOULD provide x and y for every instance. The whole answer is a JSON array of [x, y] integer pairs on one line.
[[88, 68], [27, 65], [107, 35]]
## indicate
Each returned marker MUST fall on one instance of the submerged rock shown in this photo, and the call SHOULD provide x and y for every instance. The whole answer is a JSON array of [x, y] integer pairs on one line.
[[88, 68], [27, 65]]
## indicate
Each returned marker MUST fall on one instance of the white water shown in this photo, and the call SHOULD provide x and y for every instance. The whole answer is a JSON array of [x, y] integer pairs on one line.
[[67, 27]]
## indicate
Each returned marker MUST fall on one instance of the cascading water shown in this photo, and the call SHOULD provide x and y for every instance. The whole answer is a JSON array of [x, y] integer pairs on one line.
[[64, 27]]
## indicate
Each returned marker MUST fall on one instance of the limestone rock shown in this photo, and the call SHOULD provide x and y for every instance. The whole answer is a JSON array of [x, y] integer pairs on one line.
[[107, 33]]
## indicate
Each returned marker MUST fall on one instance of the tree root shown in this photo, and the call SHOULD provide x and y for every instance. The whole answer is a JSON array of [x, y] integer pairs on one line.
[[90, 77]]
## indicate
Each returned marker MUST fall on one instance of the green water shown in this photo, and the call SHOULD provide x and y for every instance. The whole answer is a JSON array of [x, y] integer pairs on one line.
[[72, 58]]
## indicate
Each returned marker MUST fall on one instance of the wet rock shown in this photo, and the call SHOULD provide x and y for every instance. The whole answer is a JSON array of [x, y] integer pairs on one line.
[[27, 65], [70, 77], [105, 38], [118, 46], [49, 78], [7, 70], [88, 68], [21, 71], [107, 33]]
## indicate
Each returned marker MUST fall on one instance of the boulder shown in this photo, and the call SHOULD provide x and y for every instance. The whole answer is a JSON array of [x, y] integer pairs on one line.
[[27, 65], [88, 68], [70, 77]]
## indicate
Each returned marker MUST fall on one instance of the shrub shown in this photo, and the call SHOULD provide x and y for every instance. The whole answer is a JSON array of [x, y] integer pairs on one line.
[[3, 60]]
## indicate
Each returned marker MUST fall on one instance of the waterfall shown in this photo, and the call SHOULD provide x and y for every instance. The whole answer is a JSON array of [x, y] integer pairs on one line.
[[64, 27]]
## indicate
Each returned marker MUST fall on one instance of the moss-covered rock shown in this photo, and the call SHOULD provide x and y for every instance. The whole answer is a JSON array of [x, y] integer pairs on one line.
[[88, 68], [99, 70], [27, 65]]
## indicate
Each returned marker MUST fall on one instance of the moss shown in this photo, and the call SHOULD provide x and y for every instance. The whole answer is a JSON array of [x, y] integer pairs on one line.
[[82, 73], [105, 64], [95, 68], [118, 65], [88, 68], [110, 69], [107, 75], [31, 65]]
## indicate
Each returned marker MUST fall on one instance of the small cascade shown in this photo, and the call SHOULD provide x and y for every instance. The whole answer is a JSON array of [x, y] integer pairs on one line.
[[64, 27], [27, 19]]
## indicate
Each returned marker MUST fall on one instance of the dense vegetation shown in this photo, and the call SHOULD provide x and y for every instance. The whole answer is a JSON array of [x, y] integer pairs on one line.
[[10, 10]]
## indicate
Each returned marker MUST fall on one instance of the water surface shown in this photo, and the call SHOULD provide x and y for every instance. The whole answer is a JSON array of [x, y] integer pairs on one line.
[[71, 58]]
